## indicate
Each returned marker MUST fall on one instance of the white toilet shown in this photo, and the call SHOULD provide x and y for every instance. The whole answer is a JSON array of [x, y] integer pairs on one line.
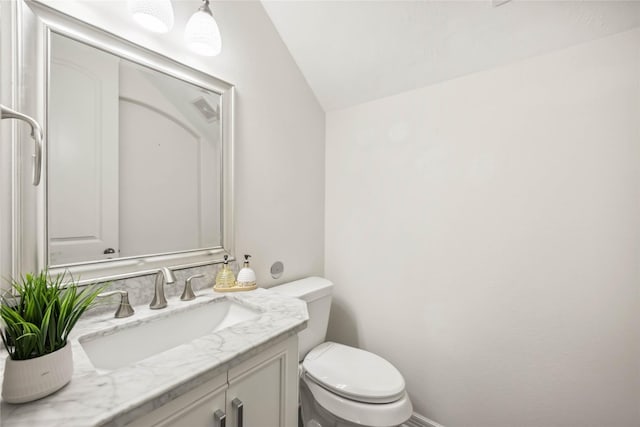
[[342, 386]]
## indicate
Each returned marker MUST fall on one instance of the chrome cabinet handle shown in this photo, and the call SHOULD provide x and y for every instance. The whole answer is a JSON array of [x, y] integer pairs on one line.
[[36, 134], [219, 418], [238, 406]]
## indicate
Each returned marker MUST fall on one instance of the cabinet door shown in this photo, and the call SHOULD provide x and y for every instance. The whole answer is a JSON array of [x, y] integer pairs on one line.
[[201, 407], [263, 391]]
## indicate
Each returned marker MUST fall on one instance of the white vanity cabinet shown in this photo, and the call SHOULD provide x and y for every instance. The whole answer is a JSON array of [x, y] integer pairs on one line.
[[259, 392]]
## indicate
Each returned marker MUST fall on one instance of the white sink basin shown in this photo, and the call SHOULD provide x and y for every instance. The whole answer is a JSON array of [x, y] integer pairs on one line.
[[131, 344]]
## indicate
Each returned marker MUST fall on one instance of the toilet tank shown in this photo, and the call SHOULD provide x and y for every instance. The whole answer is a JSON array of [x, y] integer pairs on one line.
[[316, 291]]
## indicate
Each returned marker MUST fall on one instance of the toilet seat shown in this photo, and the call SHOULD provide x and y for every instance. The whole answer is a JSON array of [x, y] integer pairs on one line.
[[367, 414], [353, 373]]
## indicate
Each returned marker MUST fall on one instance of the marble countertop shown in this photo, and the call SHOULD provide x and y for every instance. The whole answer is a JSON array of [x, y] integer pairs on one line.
[[117, 397]]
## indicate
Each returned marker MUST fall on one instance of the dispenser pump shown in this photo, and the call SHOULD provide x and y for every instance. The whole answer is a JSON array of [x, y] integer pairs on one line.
[[246, 276]]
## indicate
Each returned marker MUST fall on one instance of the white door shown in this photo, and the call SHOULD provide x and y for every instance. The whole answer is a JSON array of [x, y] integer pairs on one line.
[[83, 153]]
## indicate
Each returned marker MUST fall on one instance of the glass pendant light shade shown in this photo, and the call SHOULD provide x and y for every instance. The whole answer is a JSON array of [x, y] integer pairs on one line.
[[153, 15], [202, 34]]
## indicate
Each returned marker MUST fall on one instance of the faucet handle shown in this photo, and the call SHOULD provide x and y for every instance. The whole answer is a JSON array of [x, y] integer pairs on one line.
[[187, 294], [124, 309]]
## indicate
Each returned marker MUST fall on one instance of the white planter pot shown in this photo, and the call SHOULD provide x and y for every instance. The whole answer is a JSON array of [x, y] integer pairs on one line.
[[31, 379]]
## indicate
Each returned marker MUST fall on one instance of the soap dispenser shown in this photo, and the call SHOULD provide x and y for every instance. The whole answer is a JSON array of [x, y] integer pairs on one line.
[[246, 276], [225, 280]]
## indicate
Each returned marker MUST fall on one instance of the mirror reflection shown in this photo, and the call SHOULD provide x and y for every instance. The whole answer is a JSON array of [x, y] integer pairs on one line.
[[134, 159]]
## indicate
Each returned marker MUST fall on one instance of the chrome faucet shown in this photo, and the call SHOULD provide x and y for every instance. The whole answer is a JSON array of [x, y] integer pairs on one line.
[[164, 275]]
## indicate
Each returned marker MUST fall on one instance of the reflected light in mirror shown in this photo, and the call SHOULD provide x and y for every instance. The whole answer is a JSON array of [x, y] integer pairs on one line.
[[202, 34], [153, 15]]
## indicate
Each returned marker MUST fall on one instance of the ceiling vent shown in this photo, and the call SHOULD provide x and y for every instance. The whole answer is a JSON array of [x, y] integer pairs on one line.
[[498, 3], [210, 114]]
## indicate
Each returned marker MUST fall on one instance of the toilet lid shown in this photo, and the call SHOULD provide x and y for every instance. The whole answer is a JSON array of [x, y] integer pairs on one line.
[[353, 373]]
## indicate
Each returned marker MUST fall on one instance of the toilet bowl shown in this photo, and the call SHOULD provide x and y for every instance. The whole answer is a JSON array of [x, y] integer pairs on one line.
[[342, 386]]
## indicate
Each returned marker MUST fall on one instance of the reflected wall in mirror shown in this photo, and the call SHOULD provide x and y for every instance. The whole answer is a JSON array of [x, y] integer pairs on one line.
[[134, 159]]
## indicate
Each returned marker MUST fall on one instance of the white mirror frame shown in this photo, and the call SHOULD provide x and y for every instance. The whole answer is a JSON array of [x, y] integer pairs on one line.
[[34, 23]]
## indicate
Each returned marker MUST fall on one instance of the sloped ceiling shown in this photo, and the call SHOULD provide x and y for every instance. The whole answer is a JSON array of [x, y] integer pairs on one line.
[[356, 51]]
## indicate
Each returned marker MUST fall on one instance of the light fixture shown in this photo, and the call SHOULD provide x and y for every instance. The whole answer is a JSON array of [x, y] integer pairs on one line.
[[202, 34], [153, 15]]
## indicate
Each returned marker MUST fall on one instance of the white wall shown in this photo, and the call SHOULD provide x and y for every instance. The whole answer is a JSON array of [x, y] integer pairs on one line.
[[187, 165], [484, 236], [279, 182]]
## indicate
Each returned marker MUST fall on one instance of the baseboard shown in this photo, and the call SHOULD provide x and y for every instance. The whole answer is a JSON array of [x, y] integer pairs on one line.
[[418, 420]]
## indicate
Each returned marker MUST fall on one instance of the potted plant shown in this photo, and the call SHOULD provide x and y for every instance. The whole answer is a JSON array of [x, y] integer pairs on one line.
[[36, 321]]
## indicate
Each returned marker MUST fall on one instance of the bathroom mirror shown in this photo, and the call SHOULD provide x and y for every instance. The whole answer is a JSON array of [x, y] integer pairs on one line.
[[139, 148], [138, 155]]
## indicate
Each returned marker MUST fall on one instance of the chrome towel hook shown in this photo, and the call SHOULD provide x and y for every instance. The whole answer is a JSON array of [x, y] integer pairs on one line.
[[36, 134]]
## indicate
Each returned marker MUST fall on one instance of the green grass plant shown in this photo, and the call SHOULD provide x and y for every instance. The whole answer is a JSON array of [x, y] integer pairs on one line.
[[41, 312]]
